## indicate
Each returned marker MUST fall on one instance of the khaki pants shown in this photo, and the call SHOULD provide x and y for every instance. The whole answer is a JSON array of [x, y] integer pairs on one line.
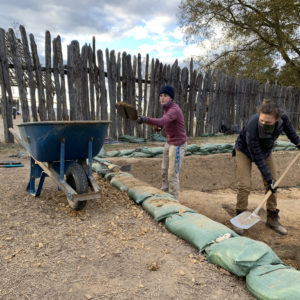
[[244, 166], [171, 164]]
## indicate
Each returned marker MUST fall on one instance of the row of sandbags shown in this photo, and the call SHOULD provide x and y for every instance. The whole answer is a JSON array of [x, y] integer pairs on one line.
[[266, 276], [193, 149]]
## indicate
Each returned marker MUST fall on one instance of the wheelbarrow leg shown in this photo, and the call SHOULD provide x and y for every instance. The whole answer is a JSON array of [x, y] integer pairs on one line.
[[35, 172], [91, 179]]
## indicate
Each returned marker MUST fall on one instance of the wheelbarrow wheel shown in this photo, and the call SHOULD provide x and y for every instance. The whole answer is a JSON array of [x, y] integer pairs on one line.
[[77, 179]]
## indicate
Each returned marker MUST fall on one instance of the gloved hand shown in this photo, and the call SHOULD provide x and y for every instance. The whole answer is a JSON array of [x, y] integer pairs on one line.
[[271, 187], [141, 119]]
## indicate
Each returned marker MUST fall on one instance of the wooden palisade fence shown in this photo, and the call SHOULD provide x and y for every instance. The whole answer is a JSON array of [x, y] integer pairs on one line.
[[92, 81]]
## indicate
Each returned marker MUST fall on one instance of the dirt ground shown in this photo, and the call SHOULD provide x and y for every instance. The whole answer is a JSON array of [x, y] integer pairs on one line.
[[113, 249]]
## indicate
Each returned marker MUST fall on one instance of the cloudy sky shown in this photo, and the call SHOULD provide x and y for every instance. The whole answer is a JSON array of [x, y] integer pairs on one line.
[[134, 26]]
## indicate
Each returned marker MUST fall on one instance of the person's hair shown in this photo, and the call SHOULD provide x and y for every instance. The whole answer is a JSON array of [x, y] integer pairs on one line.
[[269, 107]]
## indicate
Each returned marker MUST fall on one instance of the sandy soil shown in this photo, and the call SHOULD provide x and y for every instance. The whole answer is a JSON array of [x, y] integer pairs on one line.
[[113, 249], [208, 185]]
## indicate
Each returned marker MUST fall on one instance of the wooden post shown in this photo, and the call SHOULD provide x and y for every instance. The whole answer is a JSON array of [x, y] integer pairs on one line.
[[199, 106], [6, 90], [61, 69], [140, 91], [145, 111], [56, 81], [103, 91], [39, 79], [184, 95], [84, 95], [119, 85], [19, 75], [29, 67], [49, 89], [77, 80], [91, 86], [112, 79]]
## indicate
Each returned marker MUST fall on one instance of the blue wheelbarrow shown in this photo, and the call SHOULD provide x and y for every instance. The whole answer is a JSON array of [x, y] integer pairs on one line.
[[63, 150]]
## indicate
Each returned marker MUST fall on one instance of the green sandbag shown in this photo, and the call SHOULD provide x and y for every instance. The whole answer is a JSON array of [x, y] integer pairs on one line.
[[224, 146], [153, 150], [162, 207], [157, 137], [278, 149], [102, 153], [141, 193], [188, 153], [113, 153], [208, 147], [126, 152], [110, 176], [196, 229], [283, 144], [140, 154], [193, 148], [240, 254], [96, 167], [131, 139], [270, 282], [116, 181]]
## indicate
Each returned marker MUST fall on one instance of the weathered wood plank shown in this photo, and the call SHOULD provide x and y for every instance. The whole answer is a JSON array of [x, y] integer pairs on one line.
[[19, 75], [49, 87], [29, 68], [119, 98], [103, 91], [39, 80], [91, 85], [183, 102], [56, 81], [5, 90], [146, 86], [112, 79], [61, 69], [84, 97], [199, 104]]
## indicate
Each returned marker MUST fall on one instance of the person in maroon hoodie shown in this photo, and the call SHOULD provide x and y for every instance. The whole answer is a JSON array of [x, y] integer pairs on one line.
[[176, 141]]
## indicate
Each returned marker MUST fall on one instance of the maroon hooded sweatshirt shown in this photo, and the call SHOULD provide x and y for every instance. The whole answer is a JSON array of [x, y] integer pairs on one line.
[[173, 123]]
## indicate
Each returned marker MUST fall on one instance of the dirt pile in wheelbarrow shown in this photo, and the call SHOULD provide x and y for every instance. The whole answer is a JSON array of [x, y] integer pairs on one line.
[[110, 250]]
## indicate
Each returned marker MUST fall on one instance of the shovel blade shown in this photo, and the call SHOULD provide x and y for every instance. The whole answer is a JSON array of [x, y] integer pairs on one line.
[[245, 220]]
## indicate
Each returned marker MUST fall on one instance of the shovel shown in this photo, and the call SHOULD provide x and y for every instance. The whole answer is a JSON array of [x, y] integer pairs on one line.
[[247, 219]]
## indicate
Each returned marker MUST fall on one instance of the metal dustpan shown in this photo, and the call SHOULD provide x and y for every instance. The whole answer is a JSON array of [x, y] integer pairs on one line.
[[247, 219], [127, 111]]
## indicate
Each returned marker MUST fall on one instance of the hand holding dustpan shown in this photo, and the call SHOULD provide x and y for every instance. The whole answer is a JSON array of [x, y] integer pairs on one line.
[[246, 219], [129, 111]]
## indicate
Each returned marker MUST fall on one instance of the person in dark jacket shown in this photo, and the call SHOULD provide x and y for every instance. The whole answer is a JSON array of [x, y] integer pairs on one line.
[[175, 147], [254, 144]]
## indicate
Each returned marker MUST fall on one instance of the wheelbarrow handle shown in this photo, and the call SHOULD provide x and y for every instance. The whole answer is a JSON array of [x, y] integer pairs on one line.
[[16, 135]]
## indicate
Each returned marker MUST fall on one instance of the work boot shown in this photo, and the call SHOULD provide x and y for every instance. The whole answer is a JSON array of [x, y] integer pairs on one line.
[[273, 223], [238, 230]]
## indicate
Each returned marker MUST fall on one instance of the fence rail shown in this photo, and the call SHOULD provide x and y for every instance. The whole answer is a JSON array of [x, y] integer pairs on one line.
[[88, 82]]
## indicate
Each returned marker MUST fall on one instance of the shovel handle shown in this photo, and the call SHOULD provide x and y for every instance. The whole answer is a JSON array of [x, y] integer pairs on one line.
[[268, 194]]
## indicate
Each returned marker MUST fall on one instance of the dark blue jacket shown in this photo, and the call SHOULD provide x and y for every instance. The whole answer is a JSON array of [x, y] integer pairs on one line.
[[258, 145]]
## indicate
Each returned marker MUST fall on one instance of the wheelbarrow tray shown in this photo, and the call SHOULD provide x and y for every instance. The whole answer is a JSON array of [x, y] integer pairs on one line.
[[43, 139]]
